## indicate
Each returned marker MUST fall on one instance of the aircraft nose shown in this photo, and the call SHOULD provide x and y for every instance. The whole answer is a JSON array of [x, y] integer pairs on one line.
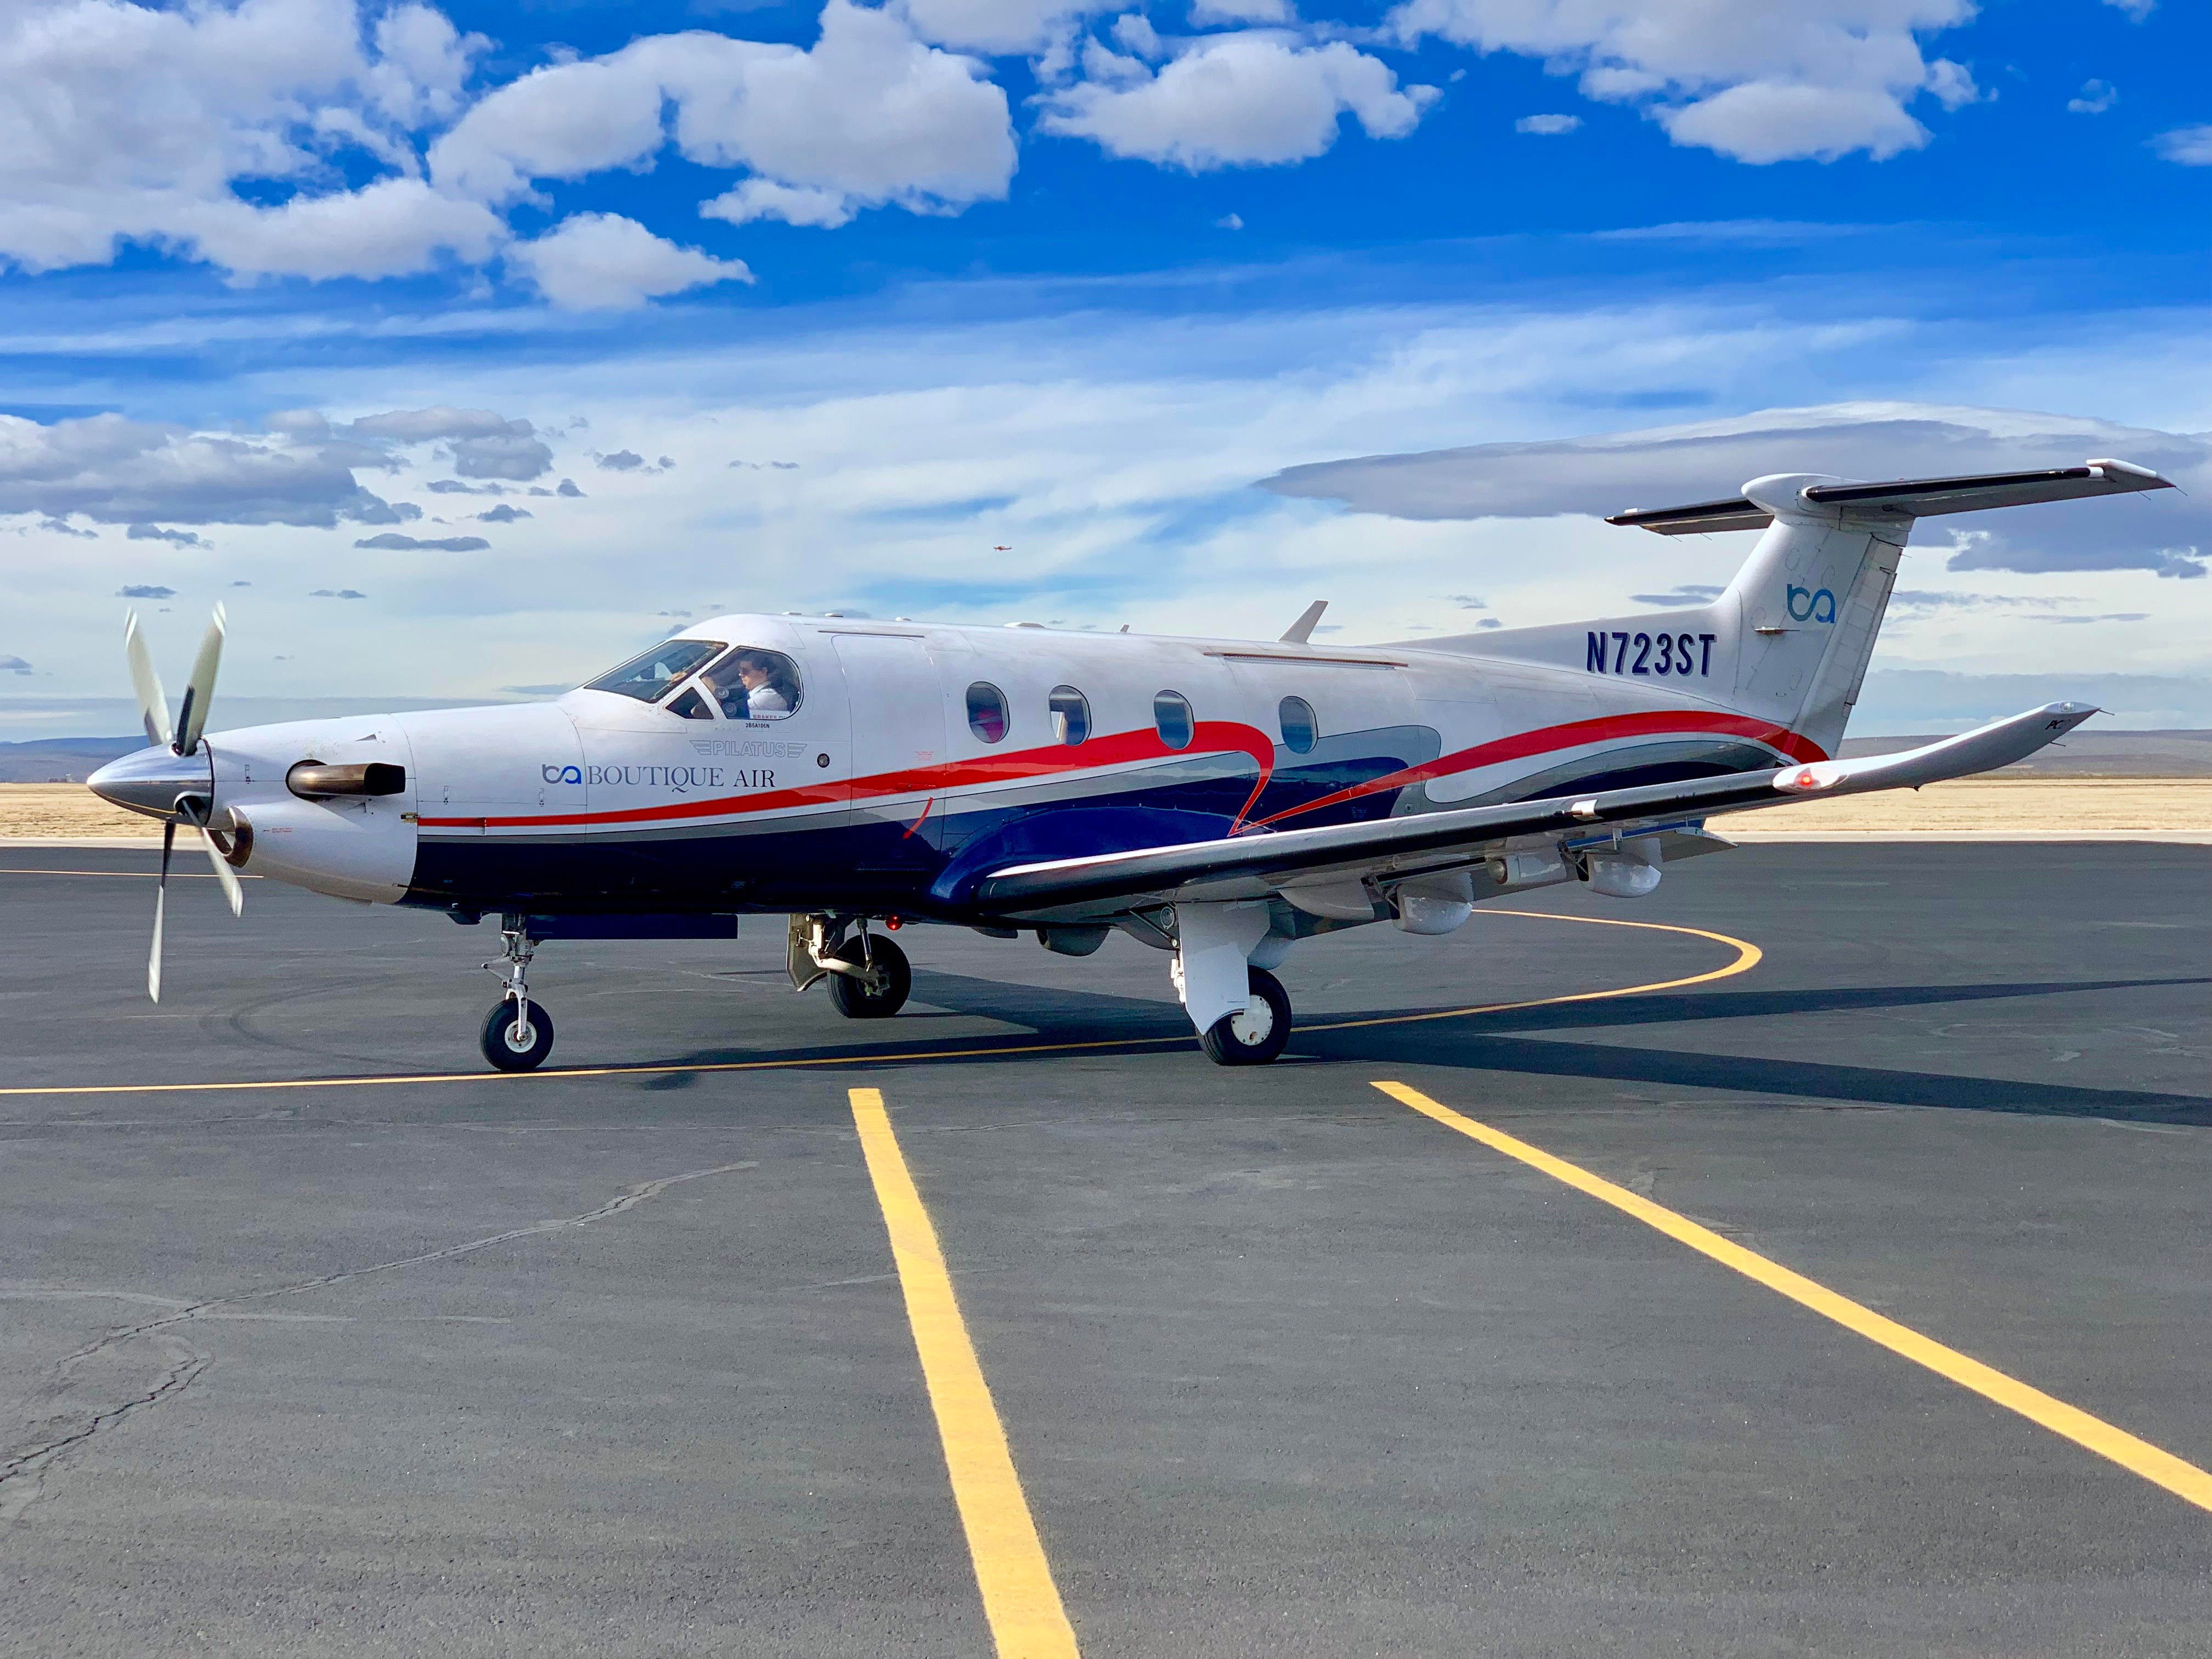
[[151, 781]]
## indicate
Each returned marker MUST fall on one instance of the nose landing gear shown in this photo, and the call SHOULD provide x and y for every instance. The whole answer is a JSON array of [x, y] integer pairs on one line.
[[518, 1034]]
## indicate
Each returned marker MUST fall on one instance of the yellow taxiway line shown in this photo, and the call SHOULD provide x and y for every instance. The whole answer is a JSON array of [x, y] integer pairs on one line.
[[1019, 1598], [1747, 956], [2161, 1468]]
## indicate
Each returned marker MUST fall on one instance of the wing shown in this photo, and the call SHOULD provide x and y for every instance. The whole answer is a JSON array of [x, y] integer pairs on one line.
[[1394, 849]]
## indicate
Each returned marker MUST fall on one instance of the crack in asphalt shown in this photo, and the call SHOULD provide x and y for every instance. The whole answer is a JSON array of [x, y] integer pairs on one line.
[[22, 1476]]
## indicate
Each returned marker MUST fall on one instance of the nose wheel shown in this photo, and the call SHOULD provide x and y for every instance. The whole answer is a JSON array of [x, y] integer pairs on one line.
[[518, 1035]]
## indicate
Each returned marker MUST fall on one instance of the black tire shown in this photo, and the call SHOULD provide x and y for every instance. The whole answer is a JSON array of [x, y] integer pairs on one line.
[[1232, 1041], [499, 1044], [854, 997]]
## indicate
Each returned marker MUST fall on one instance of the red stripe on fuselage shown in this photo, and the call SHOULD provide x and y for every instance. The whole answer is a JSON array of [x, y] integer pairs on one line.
[[1113, 749], [1548, 739]]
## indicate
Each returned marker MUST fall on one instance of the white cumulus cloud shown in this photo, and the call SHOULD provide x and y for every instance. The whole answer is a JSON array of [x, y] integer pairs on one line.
[[868, 114], [329, 138], [121, 123], [795, 205], [1752, 79], [2191, 146], [2094, 98], [602, 261], [997, 27], [1251, 99]]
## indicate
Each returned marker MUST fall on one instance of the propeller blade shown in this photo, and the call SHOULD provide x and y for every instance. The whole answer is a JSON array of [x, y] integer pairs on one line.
[[161, 908], [224, 873], [199, 690], [153, 704]]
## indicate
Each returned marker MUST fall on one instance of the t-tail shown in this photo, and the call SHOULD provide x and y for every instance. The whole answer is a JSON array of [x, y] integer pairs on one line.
[[1789, 640]]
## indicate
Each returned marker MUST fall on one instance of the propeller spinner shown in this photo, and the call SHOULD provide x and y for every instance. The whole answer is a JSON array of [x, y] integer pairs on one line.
[[174, 779]]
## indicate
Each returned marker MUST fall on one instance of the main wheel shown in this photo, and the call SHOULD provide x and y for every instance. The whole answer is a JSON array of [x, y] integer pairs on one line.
[[1254, 1036], [514, 1050], [878, 998]]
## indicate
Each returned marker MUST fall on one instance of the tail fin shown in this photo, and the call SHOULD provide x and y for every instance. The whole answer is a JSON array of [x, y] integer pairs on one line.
[[1790, 638]]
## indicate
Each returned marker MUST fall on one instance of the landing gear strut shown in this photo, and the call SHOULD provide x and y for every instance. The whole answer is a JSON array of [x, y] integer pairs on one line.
[[518, 1033]]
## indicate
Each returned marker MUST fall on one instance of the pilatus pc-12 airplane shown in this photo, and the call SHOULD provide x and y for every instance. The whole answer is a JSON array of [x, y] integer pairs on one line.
[[1221, 800]]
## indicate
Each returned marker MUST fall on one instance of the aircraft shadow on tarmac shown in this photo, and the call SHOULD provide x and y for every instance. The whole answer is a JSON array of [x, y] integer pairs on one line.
[[1487, 1042]]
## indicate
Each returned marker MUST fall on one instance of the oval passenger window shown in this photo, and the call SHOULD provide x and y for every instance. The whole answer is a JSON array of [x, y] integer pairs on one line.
[[1070, 715], [986, 711], [1171, 719], [1299, 727]]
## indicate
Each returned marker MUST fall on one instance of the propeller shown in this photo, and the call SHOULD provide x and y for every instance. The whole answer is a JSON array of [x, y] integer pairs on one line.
[[199, 690], [183, 740], [153, 705]]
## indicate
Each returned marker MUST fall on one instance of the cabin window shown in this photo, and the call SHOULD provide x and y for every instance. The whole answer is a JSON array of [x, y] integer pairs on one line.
[[986, 711], [690, 705], [1171, 719], [1300, 729], [650, 676], [753, 685], [1070, 715]]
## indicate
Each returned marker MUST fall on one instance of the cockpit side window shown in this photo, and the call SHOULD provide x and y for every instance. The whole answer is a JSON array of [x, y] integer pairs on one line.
[[752, 685], [652, 675]]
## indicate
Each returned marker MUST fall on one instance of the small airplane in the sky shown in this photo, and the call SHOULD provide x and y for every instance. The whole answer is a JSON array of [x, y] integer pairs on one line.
[[1221, 800]]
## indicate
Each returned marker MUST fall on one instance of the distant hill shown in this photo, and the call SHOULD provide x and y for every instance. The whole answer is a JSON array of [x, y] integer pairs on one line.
[[62, 759]]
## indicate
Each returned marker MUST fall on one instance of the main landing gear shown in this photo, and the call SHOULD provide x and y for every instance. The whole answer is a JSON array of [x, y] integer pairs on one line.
[[518, 1033], [1256, 1034], [868, 974]]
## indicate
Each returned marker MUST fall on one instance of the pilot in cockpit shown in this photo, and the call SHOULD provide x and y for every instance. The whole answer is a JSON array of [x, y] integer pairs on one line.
[[749, 687]]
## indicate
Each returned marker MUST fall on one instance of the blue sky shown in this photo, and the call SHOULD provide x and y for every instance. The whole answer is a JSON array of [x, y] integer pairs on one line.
[[814, 308]]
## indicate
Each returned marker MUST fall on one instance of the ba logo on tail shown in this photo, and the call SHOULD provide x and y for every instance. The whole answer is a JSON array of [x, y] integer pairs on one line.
[[1815, 605]]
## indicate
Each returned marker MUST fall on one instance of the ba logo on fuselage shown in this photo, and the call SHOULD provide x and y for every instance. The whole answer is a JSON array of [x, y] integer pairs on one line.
[[561, 774], [1813, 605]]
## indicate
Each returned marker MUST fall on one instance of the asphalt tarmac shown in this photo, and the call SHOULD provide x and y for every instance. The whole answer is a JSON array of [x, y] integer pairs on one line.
[[620, 1361]]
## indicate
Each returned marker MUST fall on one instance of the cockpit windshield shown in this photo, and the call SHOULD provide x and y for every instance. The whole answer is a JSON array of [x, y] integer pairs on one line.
[[652, 675]]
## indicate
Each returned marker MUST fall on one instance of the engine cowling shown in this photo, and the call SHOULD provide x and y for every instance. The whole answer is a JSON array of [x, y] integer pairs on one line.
[[362, 848]]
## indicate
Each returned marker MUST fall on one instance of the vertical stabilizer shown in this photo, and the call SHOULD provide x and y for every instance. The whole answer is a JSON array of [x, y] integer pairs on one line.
[[1807, 606]]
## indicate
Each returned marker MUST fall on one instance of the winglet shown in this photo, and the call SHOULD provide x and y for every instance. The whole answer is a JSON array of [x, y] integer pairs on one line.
[[1300, 631]]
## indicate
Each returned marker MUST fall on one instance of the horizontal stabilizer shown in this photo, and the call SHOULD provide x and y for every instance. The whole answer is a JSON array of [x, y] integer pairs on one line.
[[1738, 512], [1905, 498]]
